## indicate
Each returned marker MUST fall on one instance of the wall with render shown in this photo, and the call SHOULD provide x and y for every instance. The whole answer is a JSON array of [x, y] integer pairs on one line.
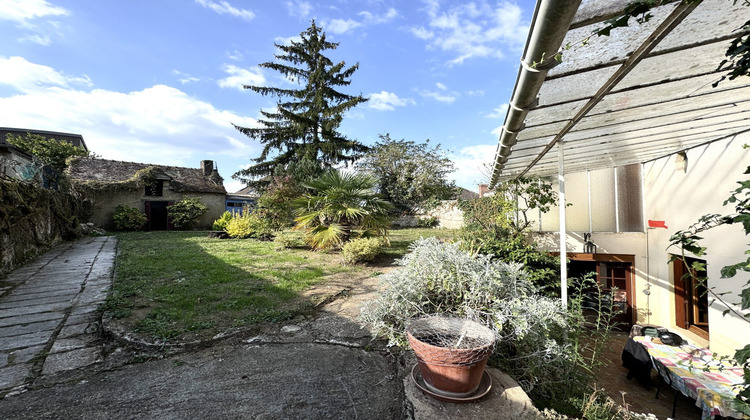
[[105, 201], [678, 194], [680, 197]]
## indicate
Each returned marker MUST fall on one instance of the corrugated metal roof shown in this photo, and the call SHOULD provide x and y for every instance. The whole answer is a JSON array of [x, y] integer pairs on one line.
[[641, 93]]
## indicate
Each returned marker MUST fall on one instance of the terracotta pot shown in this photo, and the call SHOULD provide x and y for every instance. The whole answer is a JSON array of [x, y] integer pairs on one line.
[[451, 352]]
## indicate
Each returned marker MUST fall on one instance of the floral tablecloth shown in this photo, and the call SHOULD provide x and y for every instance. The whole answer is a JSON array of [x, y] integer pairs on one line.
[[695, 372]]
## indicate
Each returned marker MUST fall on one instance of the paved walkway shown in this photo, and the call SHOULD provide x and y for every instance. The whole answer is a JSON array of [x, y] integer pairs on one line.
[[48, 319]]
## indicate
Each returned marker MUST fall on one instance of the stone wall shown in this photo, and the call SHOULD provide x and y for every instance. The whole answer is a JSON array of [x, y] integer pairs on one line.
[[106, 201], [33, 219], [448, 216]]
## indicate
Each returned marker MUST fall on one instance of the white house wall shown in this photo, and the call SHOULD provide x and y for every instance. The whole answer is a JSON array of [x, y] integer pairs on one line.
[[680, 198]]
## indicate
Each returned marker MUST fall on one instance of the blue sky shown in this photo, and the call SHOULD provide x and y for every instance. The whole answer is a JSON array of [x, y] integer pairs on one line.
[[161, 81]]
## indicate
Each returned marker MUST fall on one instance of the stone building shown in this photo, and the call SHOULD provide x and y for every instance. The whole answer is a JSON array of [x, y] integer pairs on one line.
[[149, 188]]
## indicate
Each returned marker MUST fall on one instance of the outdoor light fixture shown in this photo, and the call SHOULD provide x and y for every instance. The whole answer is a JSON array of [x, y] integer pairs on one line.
[[589, 247], [681, 162]]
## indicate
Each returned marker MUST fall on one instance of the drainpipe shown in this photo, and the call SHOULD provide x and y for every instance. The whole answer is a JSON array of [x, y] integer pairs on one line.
[[550, 24]]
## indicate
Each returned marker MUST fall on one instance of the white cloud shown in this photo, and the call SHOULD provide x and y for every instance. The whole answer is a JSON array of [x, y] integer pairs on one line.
[[185, 78], [442, 95], [222, 7], [158, 124], [239, 77], [37, 39], [471, 165], [287, 41], [27, 77], [27, 13], [235, 55], [340, 26], [422, 33], [299, 8], [387, 101], [497, 130], [371, 18], [477, 92], [498, 112], [473, 29], [22, 11]]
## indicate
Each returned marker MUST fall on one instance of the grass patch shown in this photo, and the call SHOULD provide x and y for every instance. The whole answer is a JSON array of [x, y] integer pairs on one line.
[[176, 284], [172, 285]]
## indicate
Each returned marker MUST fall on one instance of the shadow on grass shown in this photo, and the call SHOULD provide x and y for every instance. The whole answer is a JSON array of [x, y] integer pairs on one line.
[[184, 285]]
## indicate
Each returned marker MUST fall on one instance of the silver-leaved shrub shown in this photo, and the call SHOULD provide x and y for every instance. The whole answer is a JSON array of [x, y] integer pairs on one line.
[[537, 338]]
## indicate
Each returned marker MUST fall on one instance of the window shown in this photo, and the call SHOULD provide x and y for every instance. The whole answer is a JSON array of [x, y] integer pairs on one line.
[[691, 296], [155, 188]]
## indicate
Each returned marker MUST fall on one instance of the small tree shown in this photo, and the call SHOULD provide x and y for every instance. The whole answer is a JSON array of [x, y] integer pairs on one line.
[[51, 152], [275, 204], [303, 128], [498, 225], [410, 175], [186, 212], [340, 206]]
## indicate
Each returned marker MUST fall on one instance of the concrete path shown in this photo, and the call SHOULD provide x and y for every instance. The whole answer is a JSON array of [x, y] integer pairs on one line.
[[48, 318]]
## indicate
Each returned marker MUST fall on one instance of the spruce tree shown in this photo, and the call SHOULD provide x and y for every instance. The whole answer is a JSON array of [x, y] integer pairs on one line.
[[301, 134]]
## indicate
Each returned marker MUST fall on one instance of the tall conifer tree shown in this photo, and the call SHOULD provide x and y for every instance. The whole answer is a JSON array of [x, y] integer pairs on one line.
[[303, 128]]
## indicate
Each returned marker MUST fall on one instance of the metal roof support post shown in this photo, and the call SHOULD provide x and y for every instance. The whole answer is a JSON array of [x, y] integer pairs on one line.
[[563, 230]]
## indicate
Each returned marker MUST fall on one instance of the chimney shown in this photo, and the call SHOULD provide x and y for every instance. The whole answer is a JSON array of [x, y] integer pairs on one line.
[[483, 190], [207, 166]]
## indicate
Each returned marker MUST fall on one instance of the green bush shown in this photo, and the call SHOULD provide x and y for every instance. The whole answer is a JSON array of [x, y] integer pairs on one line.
[[129, 218], [186, 212], [427, 222], [221, 222], [249, 225], [285, 240], [361, 250]]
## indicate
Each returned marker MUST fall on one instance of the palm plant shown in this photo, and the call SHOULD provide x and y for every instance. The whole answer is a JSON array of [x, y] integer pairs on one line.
[[341, 206]]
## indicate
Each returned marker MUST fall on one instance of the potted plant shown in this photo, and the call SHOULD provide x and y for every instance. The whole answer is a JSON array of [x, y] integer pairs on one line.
[[451, 353]]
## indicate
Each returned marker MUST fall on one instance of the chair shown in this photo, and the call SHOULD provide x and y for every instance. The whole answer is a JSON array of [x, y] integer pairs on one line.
[[664, 376]]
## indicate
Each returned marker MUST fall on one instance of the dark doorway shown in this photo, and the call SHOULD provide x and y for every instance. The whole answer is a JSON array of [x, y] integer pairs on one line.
[[156, 211], [611, 272]]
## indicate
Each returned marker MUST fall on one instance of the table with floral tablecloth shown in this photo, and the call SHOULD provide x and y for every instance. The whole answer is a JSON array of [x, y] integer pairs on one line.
[[694, 371]]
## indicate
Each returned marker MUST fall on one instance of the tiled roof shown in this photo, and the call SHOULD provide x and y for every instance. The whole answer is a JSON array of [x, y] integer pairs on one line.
[[464, 194], [181, 179]]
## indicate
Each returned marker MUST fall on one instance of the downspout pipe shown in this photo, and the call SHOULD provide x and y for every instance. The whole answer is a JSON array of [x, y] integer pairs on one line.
[[550, 24]]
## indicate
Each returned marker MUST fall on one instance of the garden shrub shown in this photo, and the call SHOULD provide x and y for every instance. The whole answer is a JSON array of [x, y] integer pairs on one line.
[[540, 343], [186, 212], [129, 218], [249, 225], [275, 204], [285, 240], [362, 250], [427, 222], [221, 222]]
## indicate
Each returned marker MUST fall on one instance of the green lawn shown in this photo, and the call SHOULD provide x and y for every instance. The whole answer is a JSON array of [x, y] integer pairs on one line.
[[184, 285]]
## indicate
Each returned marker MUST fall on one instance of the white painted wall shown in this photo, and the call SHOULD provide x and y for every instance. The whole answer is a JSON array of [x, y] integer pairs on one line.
[[680, 198]]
